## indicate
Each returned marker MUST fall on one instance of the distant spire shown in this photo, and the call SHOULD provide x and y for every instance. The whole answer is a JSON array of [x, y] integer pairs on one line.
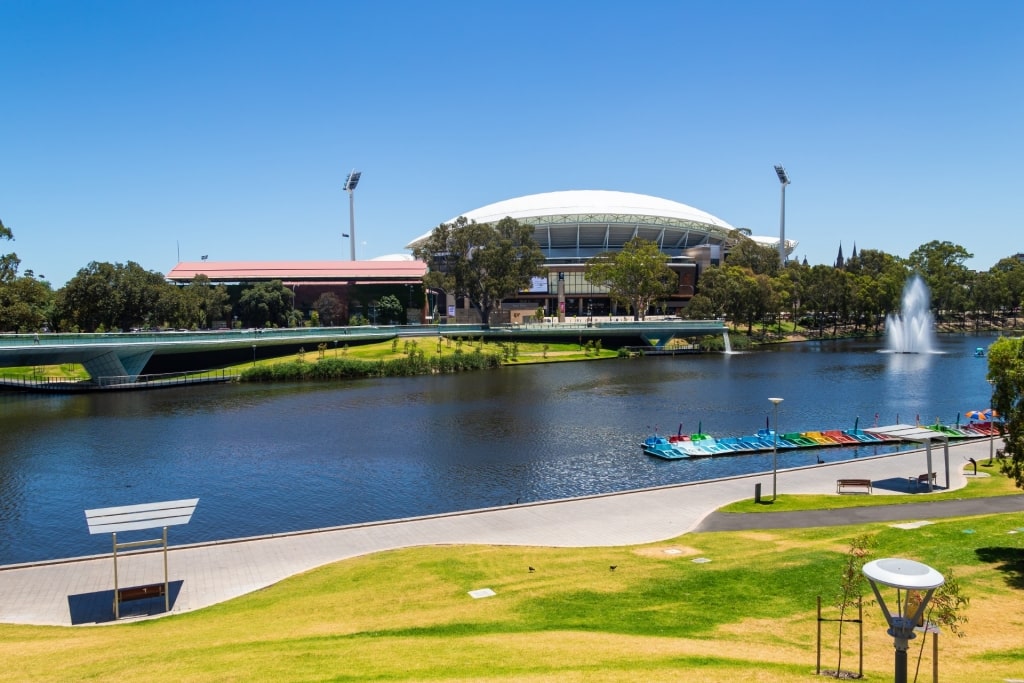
[[805, 260], [854, 255], [839, 259]]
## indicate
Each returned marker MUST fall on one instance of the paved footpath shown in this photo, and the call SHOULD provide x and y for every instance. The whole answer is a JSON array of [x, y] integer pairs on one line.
[[80, 590]]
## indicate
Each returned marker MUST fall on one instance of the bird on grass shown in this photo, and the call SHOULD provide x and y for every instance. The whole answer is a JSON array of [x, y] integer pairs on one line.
[[532, 570], [613, 567]]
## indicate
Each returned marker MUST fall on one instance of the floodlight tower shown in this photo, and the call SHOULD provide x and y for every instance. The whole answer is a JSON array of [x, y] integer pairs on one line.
[[784, 179], [350, 185]]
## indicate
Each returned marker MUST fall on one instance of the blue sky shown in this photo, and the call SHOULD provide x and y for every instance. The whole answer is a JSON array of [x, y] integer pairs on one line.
[[146, 130]]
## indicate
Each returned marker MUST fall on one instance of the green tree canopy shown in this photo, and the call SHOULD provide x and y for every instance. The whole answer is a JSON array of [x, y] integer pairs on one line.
[[329, 307], [484, 263], [111, 296], [265, 303], [25, 302], [8, 262], [761, 259], [201, 303], [390, 309], [637, 276], [1006, 372], [941, 264]]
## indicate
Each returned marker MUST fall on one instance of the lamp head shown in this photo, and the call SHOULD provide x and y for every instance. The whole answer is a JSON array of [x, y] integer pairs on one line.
[[781, 172], [776, 401], [352, 180], [897, 572]]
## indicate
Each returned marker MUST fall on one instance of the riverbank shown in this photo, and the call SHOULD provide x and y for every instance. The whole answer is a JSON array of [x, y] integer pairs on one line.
[[526, 592]]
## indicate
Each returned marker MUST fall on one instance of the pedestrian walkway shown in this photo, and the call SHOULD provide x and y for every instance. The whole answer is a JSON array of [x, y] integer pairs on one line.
[[80, 590]]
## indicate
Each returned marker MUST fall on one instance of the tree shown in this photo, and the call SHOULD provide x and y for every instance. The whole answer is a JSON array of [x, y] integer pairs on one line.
[[265, 303], [111, 296], [25, 302], [1006, 371], [390, 309], [1010, 274], [941, 264], [637, 276], [201, 303], [761, 259], [330, 308], [851, 584], [8, 262], [483, 263], [715, 289]]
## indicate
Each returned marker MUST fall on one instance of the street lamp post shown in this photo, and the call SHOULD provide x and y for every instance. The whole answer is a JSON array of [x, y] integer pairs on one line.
[[350, 185], [775, 446], [903, 575], [254, 355], [784, 179]]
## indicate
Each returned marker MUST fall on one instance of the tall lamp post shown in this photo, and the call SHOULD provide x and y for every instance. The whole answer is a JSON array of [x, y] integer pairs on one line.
[[903, 575], [775, 446], [784, 179], [350, 185]]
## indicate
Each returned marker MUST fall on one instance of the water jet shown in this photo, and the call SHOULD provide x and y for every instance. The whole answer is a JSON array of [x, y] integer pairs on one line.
[[912, 329]]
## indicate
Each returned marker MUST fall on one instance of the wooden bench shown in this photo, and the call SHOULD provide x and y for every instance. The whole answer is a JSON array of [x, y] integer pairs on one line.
[[853, 483], [152, 590], [922, 479]]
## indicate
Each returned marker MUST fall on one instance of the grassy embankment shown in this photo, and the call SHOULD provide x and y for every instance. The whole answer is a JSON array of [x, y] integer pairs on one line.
[[381, 352], [748, 614], [411, 356]]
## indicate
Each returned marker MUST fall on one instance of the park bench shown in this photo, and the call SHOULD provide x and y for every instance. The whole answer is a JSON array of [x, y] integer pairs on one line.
[[922, 479], [853, 483], [151, 590]]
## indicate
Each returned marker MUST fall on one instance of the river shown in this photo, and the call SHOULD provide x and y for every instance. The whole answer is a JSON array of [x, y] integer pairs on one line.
[[276, 458]]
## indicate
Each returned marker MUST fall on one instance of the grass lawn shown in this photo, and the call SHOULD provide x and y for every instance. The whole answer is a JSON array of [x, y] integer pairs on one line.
[[527, 353], [996, 484], [68, 371], [405, 615]]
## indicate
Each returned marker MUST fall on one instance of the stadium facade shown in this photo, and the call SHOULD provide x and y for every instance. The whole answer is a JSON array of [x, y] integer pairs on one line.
[[574, 226]]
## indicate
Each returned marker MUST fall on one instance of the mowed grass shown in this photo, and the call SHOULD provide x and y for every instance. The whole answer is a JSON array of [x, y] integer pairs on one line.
[[747, 614], [996, 484], [527, 353]]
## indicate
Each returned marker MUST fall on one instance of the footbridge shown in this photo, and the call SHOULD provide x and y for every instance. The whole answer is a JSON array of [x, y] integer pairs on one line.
[[123, 357]]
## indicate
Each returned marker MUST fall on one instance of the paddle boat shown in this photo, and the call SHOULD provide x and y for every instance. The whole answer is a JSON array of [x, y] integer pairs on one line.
[[768, 436], [862, 436], [820, 438], [737, 444], [979, 352], [841, 437], [799, 440], [661, 447]]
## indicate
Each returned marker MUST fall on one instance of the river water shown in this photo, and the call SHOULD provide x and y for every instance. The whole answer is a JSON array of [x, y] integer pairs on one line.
[[277, 458]]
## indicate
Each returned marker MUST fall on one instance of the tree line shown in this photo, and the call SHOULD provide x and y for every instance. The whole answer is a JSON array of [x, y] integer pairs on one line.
[[754, 290], [116, 297], [488, 263]]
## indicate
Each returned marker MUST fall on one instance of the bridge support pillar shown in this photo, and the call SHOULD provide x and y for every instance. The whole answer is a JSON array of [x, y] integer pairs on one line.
[[112, 364]]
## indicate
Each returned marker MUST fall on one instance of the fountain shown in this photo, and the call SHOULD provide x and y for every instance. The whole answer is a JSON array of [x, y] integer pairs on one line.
[[911, 330]]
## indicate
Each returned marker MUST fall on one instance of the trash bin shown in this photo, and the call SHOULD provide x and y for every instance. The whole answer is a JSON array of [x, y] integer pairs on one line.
[[757, 492]]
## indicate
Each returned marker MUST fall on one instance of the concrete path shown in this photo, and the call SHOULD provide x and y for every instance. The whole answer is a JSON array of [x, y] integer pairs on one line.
[[80, 590]]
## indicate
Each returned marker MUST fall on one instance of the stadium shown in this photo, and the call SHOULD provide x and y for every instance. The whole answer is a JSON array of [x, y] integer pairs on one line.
[[573, 226], [570, 227]]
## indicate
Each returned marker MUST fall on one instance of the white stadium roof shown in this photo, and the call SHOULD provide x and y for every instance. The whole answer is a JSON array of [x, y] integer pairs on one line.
[[585, 202], [575, 209], [585, 222]]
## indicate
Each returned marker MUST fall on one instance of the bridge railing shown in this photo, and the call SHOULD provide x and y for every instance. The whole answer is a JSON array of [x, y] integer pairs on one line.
[[41, 382]]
